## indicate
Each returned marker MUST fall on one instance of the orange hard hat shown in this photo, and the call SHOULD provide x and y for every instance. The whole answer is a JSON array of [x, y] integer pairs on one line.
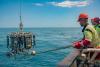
[[83, 15]]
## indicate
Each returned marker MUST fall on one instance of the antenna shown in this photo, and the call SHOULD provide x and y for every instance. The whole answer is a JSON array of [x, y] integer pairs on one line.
[[21, 24]]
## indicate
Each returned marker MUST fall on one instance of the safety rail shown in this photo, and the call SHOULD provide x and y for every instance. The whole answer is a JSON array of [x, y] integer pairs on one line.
[[86, 59]]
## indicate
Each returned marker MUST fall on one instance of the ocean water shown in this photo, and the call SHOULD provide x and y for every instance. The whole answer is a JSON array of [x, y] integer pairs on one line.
[[46, 38]]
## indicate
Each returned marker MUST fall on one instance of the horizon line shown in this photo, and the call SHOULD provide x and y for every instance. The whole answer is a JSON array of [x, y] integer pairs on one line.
[[40, 27]]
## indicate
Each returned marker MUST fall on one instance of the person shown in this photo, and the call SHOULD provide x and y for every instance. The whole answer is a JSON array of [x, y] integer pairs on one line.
[[90, 36], [96, 22]]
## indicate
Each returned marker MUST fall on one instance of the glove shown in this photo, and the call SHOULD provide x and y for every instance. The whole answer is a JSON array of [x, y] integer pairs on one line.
[[77, 44], [85, 42], [82, 43]]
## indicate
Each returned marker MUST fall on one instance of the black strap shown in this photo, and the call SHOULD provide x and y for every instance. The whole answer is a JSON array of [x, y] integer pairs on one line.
[[88, 30], [84, 28]]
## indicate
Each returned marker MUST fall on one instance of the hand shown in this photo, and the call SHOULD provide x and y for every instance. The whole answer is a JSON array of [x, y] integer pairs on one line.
[[77, 44], [86, 42]]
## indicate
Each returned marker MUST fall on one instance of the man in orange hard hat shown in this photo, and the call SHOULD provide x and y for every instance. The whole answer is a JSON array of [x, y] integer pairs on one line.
[[91, 38]]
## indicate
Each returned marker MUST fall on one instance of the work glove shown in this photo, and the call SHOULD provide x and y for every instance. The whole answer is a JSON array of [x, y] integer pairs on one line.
[[77, 44], [83, 43]]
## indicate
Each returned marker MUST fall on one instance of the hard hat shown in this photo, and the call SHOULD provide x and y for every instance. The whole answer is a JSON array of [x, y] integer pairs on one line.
[[96, 19], [83, 15]]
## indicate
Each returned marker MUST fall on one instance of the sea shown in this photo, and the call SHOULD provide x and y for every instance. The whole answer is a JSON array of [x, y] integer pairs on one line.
[[46, 39]]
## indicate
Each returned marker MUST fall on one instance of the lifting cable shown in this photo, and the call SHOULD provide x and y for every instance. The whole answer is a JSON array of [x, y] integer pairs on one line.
[[59, 48]]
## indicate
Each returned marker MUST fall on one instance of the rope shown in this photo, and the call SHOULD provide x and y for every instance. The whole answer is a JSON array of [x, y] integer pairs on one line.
[[54, 49]]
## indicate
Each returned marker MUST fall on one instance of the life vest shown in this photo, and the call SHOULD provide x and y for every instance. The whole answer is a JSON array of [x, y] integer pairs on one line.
[[97, 27], [95, 38]]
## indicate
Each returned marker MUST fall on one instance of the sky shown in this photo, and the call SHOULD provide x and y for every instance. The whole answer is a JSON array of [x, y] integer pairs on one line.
[[46, 13]]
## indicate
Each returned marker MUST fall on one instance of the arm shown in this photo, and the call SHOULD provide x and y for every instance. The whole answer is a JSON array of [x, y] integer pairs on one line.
[[84, 42]]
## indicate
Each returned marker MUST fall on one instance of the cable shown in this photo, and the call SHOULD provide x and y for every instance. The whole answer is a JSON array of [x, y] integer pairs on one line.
[[54, 49]]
